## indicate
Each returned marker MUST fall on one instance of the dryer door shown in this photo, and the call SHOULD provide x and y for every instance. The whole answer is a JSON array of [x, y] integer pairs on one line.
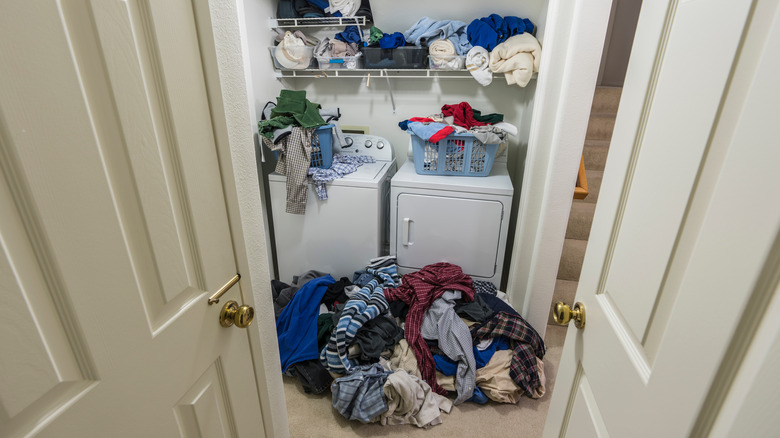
[[433, 229]]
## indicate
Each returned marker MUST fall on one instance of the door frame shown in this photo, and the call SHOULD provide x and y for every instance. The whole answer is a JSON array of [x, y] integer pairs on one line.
[[223, 42], [563, 97]]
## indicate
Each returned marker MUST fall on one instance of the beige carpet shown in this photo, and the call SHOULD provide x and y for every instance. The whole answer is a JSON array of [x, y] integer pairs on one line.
[[314, 416]]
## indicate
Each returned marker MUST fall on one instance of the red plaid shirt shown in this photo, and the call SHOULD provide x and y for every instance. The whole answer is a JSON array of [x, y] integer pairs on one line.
[[419, 290]]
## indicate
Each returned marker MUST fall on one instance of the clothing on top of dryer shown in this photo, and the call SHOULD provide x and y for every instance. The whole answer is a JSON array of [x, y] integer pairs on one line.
[[342, 165]]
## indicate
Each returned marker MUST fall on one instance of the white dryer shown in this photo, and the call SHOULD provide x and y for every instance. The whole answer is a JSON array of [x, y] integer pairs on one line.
[[338, 235], [457, 219]]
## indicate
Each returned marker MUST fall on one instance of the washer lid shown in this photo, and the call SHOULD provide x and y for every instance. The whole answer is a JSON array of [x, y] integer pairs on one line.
[[367, 175], [497, 183]]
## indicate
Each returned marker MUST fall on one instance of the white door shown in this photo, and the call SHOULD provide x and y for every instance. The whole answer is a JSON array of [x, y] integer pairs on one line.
[[113, 229], [684, 246]]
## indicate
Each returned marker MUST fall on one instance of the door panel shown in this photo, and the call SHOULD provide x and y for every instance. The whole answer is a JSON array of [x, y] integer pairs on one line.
[[671, 264], [113, 229], [461, 231]]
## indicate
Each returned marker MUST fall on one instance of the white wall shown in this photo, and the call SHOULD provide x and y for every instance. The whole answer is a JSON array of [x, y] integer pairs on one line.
[[371, 106]]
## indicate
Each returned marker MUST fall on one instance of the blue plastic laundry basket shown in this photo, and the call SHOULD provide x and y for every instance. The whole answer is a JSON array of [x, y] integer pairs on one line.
[[456, 155], [321, 147]]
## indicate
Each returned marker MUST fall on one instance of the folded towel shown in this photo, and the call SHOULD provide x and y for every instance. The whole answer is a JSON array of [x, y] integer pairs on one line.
[[442, 54], [340, 49], [426, 30], [517, 58], [477, 62]]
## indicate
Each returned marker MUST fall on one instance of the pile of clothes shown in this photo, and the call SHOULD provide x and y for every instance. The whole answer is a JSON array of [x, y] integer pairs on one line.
[[461, 118], [287, 127], [491, 44], [392, 349]]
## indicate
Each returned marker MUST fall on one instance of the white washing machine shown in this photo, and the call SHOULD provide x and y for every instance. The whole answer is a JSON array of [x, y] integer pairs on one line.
[[338, 235], [457, 219]]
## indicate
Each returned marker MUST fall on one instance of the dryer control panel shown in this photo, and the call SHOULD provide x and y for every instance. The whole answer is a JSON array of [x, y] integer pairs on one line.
[[362, 144]]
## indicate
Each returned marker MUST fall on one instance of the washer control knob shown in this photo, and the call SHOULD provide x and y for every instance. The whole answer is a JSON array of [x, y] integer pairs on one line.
[[368, 143], [348, 141], [380, 144]]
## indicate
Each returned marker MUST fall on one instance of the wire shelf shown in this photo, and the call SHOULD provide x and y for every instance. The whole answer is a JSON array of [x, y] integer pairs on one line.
[[363, 72], [317, 22]]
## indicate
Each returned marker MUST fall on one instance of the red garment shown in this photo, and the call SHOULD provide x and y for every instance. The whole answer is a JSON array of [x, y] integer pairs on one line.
[[463, 114], [419, 290], [441, 134], [421, 119]]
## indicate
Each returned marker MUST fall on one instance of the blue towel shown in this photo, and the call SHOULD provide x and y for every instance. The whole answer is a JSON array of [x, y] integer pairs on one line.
[[392, 41], [490, 31], [296, 327], [427, 30], [351, 34]]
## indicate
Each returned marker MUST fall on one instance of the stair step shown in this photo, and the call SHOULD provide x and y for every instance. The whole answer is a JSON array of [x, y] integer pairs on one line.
[[571, 259], [594, 185], [595, 154], [600, 127], [580, 220], [564, 291], [606, 100]]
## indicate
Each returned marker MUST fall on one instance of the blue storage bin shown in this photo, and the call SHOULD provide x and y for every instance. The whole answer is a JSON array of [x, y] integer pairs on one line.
[[321, 147], [456, 155]]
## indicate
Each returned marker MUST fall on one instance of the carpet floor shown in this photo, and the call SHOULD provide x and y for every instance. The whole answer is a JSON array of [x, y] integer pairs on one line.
[[313, 415]]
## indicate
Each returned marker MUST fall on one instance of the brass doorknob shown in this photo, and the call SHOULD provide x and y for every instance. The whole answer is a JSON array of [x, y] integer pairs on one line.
[[562, 314], [232, 313]]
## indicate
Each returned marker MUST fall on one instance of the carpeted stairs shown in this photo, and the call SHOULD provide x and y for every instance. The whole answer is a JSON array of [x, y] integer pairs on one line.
[[602, 121]]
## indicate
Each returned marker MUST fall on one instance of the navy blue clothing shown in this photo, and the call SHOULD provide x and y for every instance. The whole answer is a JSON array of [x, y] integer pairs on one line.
[[497, 304], [296, 327], [392, 41], [490, 31], [351, 34]]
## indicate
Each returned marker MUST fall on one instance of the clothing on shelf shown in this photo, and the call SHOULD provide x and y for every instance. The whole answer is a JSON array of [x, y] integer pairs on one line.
[[347, 8], [443, 55], [427, 30], [490, 31], [351, 34], [477, 63], [292, 52], [419, 290], [517, 58]]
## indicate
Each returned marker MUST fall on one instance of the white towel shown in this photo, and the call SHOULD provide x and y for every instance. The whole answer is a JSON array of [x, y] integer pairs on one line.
[[348, 8], [517, 58], [477, 62], [444, 56]]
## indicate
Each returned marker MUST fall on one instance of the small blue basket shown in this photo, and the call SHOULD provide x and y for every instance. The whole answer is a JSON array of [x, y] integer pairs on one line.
[[321, 147], [455, 155]]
